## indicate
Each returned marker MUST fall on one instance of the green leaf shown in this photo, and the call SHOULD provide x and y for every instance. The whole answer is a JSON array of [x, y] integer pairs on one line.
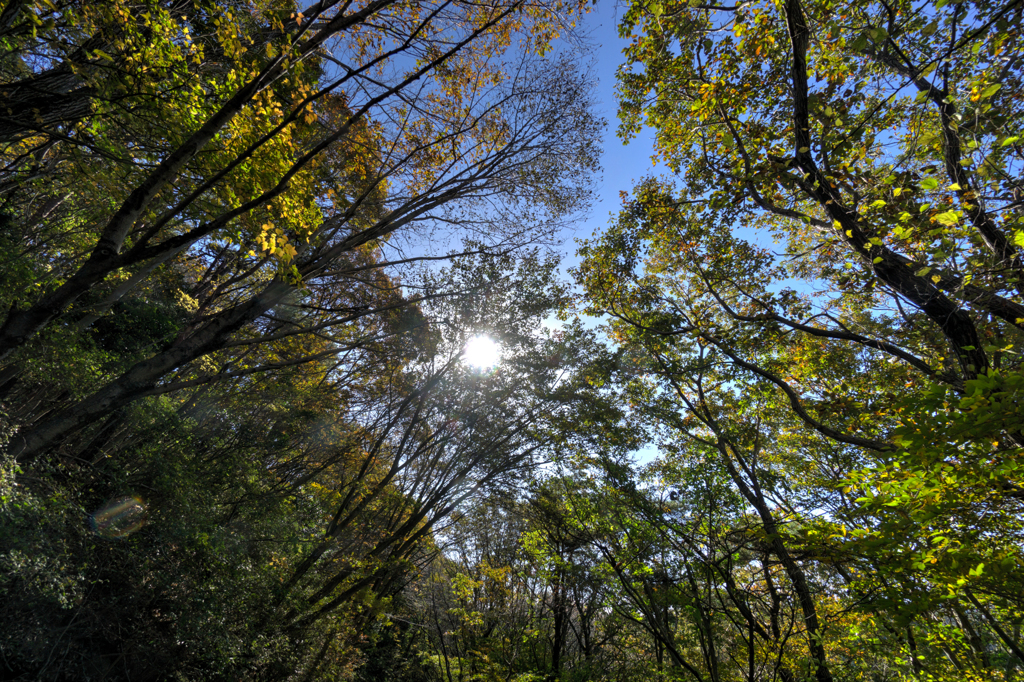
[[929, 183], [990, 90]]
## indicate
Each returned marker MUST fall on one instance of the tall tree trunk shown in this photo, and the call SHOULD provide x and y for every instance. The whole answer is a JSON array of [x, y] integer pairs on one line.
[[558, 616]]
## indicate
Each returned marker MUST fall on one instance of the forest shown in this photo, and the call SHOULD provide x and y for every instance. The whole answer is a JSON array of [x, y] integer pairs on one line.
[[765, 425]]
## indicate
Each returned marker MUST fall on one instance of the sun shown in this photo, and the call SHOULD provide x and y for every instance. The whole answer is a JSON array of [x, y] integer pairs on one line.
[[482, 351]]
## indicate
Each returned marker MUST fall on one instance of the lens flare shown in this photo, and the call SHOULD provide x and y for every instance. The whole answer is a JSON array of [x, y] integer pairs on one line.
[[119, 517]]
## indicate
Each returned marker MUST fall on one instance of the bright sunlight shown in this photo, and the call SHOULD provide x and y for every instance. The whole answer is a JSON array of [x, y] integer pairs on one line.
[[482, 351]]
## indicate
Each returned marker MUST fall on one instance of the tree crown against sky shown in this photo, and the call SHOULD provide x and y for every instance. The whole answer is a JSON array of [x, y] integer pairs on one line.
[[231, 338], [310, 140], [246, 243], [856, 379]]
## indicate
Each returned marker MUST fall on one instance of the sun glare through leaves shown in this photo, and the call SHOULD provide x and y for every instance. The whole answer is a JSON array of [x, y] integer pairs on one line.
[[482, 352]]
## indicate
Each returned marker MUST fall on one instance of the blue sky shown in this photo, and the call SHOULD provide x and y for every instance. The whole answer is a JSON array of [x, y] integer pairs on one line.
[[623, 164]]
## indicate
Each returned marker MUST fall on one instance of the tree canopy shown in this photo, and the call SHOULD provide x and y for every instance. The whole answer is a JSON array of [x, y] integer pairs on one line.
[[243, 246]]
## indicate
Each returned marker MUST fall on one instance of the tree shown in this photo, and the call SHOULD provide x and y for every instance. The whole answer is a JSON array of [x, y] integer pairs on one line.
[[229, 340], [386, 144], [876, 142], [290, 510]]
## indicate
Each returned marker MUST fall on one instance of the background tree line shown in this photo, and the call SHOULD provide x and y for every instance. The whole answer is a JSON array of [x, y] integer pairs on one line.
[[241, 441]]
